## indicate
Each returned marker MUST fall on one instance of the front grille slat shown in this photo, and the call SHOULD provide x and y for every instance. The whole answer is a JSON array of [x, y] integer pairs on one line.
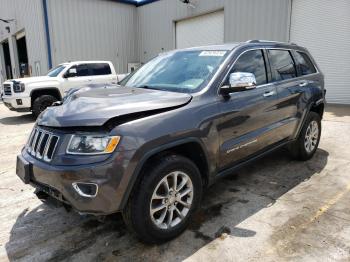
[[7, 89], [42, 144], [30, 140], [34, 142], [51, 148], [37, 142]]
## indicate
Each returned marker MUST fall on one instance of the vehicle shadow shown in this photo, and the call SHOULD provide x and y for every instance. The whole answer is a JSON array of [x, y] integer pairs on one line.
[[47, 234], [16, 120]]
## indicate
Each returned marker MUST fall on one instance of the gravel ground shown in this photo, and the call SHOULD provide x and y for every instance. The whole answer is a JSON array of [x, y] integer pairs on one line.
[[274, 210]]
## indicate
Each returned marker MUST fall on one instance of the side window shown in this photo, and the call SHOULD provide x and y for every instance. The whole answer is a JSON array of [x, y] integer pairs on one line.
[[82, 70], [304, 64], [100, 69], [282, 65], [252, 62]]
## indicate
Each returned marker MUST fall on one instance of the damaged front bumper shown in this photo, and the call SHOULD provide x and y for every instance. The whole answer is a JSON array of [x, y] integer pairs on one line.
[[92, 189]]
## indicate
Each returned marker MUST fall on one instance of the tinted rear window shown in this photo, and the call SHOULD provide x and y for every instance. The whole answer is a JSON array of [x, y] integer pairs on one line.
[[304, 64], [282, 65], [100, 69]]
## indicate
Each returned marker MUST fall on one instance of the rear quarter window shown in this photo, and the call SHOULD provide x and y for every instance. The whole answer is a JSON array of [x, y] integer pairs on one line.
[[304, 64]]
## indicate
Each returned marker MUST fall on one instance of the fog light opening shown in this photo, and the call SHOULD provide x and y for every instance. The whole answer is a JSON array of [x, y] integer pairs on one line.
[[86, 189], [19, 102]]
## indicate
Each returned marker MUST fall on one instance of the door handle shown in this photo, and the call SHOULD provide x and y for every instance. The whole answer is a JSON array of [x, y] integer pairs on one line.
[[305, 83], [270, 93]]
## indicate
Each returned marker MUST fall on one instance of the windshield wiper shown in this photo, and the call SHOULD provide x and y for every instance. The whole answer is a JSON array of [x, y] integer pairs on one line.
[[147, 87]]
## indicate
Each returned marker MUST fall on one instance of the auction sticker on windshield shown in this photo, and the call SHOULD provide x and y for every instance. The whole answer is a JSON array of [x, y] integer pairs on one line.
[[212, 53]]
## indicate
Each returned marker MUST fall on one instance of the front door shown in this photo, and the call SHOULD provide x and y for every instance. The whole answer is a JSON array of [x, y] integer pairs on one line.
[[247, 116], [80, 79]]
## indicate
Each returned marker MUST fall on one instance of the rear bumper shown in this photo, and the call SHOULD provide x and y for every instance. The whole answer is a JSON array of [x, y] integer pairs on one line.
[[19, 104], [57, 182]]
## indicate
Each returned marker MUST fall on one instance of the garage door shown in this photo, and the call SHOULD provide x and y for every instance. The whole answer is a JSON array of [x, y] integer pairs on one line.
[[323, 27], [201, 30]]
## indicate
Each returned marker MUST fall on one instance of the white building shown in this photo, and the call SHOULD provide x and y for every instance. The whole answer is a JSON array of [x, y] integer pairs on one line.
[[39, 34]]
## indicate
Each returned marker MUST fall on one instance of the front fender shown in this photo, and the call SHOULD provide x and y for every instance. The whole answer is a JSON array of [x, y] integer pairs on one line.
[[141, 156]]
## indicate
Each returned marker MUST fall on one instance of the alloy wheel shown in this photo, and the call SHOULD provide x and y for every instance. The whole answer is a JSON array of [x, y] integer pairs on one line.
[[311, 136], [171, 200]]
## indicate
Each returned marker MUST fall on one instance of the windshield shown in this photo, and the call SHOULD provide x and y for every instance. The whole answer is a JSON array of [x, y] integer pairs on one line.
[[183, 71], [55, 71]]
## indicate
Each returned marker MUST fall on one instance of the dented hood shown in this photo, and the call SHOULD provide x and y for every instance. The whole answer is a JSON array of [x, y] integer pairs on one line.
[[96, 106]]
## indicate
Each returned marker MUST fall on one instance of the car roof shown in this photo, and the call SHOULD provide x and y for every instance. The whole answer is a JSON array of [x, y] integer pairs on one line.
[[251, 43], [85, 62], [228, 46]]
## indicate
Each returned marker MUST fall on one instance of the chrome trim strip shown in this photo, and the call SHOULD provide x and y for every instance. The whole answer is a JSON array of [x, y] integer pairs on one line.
[[47, 148], [33, 142], [81, 193], [36, 139], [54, 149], [30, 139], [37, 149]]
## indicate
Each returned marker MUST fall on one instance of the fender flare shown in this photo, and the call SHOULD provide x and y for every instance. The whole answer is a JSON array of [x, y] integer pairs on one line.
[[148, 155], [305, 114], [46, 88]]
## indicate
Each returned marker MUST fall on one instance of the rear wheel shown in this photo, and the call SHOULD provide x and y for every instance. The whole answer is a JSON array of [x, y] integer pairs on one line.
[[307, 143], [162, 204], [41, 103]]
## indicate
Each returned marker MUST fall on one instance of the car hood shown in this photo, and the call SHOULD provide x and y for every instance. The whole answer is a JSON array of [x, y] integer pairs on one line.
[[30, 80], [95, 107]]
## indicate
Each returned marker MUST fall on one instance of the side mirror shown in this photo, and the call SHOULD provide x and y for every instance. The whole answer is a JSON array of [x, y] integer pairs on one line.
[[239, 81], [71, 72]]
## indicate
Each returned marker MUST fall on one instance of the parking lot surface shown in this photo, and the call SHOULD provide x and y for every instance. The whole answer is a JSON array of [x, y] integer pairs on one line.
[[276, 209]]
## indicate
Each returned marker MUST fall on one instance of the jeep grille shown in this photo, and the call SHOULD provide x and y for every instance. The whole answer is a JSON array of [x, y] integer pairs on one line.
[[42, 144]]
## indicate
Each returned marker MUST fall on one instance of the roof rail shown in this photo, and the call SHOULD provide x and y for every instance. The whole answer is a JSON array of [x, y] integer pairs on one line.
[[253, 41], [269, 41]]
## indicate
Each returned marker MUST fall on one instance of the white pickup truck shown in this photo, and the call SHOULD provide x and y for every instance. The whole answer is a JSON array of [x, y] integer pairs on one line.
[[35, 94]]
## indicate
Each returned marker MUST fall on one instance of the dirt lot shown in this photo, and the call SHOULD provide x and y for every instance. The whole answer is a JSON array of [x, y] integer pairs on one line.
[[274, 210]]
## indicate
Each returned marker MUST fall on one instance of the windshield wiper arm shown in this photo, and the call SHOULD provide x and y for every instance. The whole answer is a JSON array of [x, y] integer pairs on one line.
[[147, 87]]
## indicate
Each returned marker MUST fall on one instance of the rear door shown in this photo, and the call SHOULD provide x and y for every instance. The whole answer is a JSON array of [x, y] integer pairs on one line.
[[101, 73], [248, 117], [291, 87]]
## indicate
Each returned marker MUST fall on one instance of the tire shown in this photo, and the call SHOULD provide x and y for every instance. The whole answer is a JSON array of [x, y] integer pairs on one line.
[[138, 215], [301, 149], [41, 103]]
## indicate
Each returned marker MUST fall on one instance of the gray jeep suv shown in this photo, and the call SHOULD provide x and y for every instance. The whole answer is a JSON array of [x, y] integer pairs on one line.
[[150, 146]]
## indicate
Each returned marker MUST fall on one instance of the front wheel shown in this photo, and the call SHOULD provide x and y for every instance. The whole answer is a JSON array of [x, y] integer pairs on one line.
[[41, 103], [162, 204], [307, 143]]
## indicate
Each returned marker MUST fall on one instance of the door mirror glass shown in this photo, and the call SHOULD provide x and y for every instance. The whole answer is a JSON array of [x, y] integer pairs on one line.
[[239, 81], [72, 72]]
